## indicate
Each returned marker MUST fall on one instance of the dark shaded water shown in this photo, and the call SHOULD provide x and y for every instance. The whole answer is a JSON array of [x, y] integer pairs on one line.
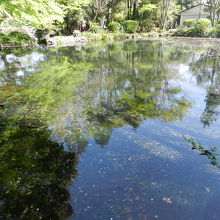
[[94, 132]]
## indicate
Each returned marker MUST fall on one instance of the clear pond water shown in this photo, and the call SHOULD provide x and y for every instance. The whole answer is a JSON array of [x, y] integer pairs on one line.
[[95, 132]]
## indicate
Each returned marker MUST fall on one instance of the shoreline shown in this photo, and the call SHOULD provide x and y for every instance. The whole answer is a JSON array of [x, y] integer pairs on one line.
[[87, 37]]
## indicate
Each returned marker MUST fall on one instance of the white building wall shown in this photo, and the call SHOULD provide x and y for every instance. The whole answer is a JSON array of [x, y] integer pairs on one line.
[[194, 13]]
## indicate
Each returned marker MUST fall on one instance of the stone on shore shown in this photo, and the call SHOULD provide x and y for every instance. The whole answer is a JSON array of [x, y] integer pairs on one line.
[[66, 40]]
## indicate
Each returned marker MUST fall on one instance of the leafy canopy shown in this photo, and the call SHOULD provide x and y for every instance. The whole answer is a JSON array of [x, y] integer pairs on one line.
[[37, 13]]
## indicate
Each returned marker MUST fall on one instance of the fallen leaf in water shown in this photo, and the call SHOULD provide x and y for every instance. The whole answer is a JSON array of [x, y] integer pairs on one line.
[[207, 189], [127, 178], [167, 200]]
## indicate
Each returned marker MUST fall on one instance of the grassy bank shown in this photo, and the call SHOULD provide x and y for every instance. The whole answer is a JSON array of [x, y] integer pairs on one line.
[[17, 39], [121, 36]]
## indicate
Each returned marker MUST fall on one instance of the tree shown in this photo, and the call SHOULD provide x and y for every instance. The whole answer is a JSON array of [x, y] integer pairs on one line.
[[214, 11], [168, 11], [148, 16], [75, 12], [36, 13], [99, 7]]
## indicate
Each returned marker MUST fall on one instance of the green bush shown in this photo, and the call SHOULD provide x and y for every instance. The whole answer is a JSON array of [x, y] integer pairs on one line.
[[202, 26], [105, 37], [185, 32], [114, 27], [41, 35], [200, 29], [181, 32], [15, 39], [147, 25], [189, 23], [95, 27], [130, 26], [4, 39], [218, 30], [214, 32], [191, 32]]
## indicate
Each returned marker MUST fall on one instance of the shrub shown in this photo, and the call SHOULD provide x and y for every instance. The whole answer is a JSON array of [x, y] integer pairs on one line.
[[182, 32], [105, 37], [114, 27], [130, 26], [41, 35], [202, 26], [15, 38], [200, 29], [191, 32], [147, 25], [4, 39], [218, 30], [186, 32], [189, 23], [212, 32], [95, 27]]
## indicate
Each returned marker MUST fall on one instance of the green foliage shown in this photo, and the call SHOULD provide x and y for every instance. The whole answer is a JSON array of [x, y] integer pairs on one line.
[[105, 36], [202, 26], [210, 153], [119, 11], [181, 32], [114, 27], [215, 32], [75, 11], [212, 32], [41, 34], [36, 13], [168, 12], [147, 25], [218, 30], [95, 27], [15, 39], [200, 29], [147, 8], [130, 26], [189, 23]]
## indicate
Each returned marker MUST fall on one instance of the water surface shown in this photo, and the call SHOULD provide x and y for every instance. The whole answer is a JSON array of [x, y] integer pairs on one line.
[[96, 132]]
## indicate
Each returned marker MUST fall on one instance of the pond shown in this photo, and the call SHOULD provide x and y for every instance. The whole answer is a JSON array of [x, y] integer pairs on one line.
[[96, 131]]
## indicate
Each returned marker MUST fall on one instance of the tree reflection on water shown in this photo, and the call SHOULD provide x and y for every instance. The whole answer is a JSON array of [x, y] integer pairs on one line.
[[34, 174]]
